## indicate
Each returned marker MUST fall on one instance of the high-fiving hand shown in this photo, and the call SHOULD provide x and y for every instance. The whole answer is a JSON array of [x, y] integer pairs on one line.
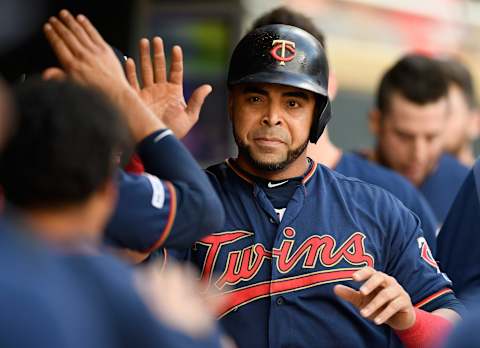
[[165, 96], [88, 59]]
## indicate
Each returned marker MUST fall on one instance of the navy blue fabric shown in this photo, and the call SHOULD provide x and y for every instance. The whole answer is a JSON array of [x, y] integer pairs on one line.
[[280, 274], [53, 299], [355, 165], [465, 335], [441, 186], [146, 202], [459, 240]]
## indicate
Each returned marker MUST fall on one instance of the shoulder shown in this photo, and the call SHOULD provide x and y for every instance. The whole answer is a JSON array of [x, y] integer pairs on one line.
[[451, 165]]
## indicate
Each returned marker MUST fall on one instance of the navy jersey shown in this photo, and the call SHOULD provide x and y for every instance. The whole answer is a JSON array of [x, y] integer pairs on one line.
[[465, 335], [459, 239], [53, 299], [442, 185], [354, 165], [158, 208], [278, 274]]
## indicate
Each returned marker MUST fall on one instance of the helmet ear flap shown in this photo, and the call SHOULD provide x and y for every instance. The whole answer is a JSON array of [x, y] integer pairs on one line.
[[323, 113]]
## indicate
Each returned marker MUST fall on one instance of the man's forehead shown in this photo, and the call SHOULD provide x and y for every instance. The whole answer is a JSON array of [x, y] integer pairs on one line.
[[402, 109]]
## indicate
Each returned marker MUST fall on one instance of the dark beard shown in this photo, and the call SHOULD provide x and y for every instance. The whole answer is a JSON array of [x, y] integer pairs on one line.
[[292, 155]]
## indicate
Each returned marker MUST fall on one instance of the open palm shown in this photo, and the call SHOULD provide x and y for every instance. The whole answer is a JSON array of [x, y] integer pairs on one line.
[[165, 96]]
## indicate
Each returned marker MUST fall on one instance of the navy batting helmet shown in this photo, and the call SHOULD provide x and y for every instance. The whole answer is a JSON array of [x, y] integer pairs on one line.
[[285, 55]]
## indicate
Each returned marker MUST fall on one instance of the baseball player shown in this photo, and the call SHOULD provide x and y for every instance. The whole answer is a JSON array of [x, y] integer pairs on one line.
[[56, 289], [458, 245], [351, 163], [308, 257], [409, 122]]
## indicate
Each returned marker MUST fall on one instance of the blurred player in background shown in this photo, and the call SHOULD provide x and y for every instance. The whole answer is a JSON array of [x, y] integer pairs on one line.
[[409, 122], [463, 125], [351, 163]]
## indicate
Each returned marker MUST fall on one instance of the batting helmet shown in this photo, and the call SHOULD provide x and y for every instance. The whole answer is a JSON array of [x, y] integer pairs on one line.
[[285, 55]]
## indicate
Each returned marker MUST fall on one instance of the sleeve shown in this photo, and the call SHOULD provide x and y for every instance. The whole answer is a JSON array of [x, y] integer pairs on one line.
[[145, 212], [459, 242], [172, 206], [410, 261], [429, 223]]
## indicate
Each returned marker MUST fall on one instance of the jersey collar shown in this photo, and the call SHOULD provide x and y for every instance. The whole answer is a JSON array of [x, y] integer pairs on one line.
[[230, 162]]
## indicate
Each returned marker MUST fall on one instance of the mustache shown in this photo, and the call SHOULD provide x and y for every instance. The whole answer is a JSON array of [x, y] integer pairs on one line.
[[271, 133]]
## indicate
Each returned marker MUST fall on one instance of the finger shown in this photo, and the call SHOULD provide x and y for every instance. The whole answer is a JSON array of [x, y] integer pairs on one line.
[[146, 63], [393, 308], [63, 53], [90, 30], [54, 74], [159, 60], [176, 68], [381, 299], [66, 36], [376, 280], [348, 294], [196, 100], [131, 72], [76, 29], [363, 274]]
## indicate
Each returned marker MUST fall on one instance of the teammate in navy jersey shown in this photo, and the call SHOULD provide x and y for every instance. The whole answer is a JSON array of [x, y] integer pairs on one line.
[[349, 163], [57, 171], [458, 247], [308, 257], [409, 121]]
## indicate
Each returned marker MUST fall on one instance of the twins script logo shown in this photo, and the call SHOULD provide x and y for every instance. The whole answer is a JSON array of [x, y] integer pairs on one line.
[[243, 265]]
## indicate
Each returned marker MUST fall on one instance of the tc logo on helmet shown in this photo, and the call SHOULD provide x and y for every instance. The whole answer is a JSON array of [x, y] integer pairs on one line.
[[283, 46]]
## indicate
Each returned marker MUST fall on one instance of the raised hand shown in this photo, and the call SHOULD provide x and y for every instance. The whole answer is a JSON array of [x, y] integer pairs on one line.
[[88, 59], [380, 299], [165, 96]]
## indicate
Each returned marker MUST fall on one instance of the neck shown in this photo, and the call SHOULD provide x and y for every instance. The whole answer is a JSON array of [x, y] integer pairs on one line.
[[61, 226], [294, 169], [325, 152]]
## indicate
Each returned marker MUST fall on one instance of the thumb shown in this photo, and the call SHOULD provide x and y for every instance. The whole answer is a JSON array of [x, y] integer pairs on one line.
[[195, 102], [348, 294], [54, 74]]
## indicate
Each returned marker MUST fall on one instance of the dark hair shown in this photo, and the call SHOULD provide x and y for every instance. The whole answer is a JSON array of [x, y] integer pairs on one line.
[[283, 15], [417, 78], [458, 74], [63, 146]]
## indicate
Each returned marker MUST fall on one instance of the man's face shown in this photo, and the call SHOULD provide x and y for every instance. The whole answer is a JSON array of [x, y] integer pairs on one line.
[[410, 137], [459, 129], [271, 123]]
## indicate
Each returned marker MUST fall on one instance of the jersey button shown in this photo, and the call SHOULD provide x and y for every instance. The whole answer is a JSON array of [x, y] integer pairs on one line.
[[272, 220], [280, 301]]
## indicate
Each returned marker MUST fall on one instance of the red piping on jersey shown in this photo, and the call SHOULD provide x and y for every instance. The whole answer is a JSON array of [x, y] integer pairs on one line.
[[247, 294], [171, 218], [311, 172], [244, 177], [432, 297]]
